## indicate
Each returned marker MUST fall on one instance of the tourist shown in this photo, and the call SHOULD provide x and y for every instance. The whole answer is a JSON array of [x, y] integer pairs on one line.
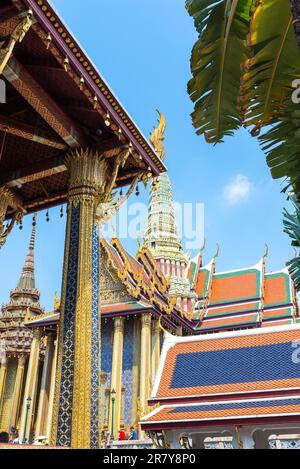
[[107, 441], [133, 434], [122, 435]]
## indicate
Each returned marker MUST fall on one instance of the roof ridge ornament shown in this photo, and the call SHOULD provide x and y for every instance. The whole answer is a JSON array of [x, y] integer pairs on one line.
[[16, 36], [199, 263], [266, 252], [157, 137], [217, 253]]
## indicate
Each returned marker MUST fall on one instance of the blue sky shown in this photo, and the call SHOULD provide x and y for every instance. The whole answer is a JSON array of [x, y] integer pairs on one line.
[[142, 49]]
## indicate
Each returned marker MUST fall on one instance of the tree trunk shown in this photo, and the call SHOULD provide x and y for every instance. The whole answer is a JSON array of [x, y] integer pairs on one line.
[[295, 4]]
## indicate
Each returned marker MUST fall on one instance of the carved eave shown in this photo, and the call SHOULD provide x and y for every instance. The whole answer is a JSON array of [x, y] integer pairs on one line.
[[137, 287]]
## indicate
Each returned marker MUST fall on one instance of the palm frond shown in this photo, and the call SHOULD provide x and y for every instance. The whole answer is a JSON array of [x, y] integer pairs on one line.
[[215, 63]]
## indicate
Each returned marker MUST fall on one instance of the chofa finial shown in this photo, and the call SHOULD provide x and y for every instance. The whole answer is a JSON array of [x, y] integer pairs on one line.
[[203, 246], [266, 252], [56, 302], [218, 252], [158, 136]]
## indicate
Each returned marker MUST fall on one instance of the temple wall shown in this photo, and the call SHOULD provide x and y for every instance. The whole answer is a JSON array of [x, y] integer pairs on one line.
[[131, 374], [8, 394]]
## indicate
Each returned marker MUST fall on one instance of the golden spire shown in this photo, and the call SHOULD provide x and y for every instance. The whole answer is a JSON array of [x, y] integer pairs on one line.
[[158, 136], [56, 302], [28, 315]]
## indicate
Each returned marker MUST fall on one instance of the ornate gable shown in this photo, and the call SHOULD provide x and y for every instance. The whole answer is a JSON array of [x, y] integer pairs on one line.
[[112, 289]]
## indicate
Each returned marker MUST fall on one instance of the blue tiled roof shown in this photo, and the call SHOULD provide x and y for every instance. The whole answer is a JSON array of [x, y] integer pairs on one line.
[[232, 366]]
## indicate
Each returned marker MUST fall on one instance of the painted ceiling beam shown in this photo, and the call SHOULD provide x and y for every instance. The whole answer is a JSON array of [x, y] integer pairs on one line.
[[28, 132], [33, 172], [43, 104], [84, 68]]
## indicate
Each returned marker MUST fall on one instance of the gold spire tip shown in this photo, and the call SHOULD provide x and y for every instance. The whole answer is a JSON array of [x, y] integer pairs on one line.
[[157, 137]]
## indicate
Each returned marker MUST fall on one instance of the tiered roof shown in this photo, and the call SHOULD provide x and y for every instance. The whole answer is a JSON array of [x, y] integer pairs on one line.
[[142, 278], [24, 301], [241, 298], [238, 299], [230, 377], [147, 288]]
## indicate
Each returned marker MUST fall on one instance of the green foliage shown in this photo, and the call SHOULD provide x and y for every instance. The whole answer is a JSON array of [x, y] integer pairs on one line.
[[292, 227], [243, 66]]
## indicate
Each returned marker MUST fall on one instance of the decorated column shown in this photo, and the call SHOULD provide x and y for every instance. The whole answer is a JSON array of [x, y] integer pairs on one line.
[[45, 387], [76, 406], [145, 361], [155, 349], [17, 392], [52, 391], [30, 387], [7, 198], [116, 375]]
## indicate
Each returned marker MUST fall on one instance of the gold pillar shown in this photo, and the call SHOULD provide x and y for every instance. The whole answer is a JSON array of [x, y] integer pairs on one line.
[[6, 199], [136, 347], [3, 374], [17, 392], [102, 411], [52, 391], [76, 405], [145, 362], [155, 350], [31, 386], [116, 374], [45, 387]]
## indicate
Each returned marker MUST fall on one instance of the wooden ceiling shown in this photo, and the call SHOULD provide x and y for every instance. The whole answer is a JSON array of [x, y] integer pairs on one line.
[[56, 104]]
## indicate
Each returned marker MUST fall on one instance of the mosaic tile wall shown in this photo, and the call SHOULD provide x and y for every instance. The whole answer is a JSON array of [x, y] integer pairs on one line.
[[127, 370], [95, 365], [106, 349], [64, 427]]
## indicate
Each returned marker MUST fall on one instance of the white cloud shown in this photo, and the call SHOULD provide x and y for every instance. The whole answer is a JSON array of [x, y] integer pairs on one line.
[[238, 190]]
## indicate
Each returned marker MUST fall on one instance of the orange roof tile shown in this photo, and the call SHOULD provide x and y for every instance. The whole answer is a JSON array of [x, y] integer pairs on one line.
[[231, 321], [232, 309], [277, 314], [277, 289], [235, 286], [225, 410]]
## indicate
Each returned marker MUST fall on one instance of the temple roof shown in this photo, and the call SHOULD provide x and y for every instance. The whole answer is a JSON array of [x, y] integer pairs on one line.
[[227, 378], [239, 299], [50, 319], [27, 278], [56, 101], [224, 412], [142, 279], [227, 364], [242, 297]]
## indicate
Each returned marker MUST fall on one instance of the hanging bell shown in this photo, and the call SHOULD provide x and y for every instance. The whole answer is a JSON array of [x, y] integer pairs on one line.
[[137, 192], [66, 64], [47, 216], [107, 120], [61, 212]]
